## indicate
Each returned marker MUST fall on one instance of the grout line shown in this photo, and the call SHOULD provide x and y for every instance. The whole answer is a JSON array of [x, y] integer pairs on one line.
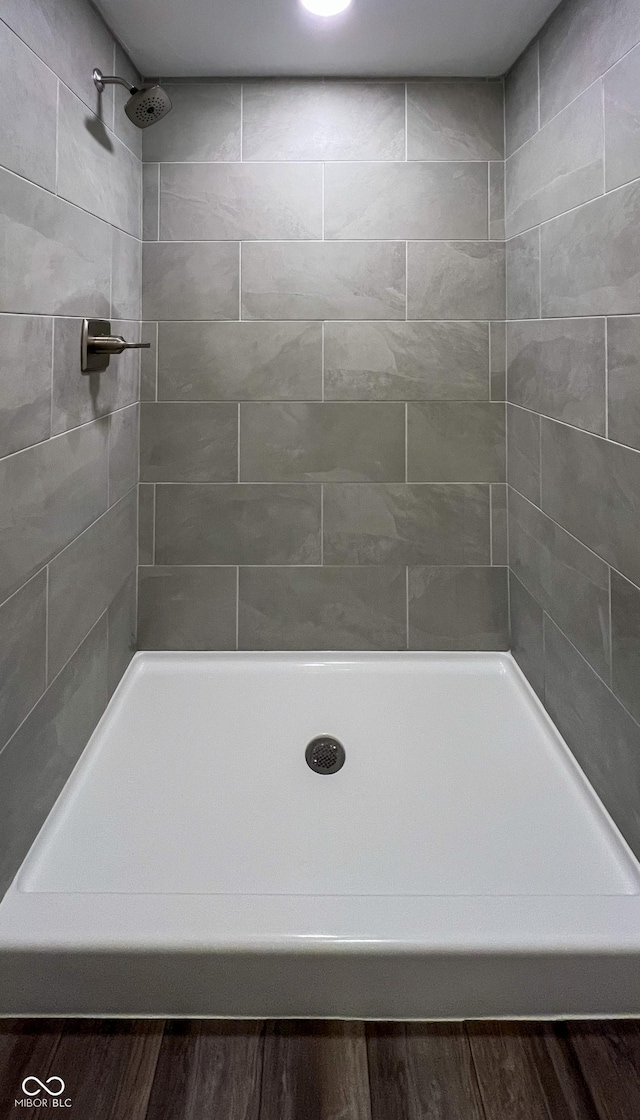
[[572, 535], [323, 202], [587, 663], [158, 214], [566, 424], [406, 441], [239, 406], [406, 122]]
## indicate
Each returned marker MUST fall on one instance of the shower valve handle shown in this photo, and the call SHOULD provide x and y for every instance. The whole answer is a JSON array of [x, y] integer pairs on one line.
[[98, 345], [112, 344]]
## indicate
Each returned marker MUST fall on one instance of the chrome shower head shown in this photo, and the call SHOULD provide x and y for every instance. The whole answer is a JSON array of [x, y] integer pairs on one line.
[[145, 106]]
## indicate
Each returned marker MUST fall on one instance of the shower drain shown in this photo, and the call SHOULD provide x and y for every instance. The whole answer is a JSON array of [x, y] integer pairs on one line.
[[325, 755]]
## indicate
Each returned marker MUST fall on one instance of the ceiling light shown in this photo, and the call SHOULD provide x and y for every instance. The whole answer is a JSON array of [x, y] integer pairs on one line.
[[325, 7]]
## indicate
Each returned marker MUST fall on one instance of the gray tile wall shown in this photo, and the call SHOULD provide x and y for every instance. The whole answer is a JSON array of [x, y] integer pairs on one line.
[[70, 228], [323, 432], [573, 374]]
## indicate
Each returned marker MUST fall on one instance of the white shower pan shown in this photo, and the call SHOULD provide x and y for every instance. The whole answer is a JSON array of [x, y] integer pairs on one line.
[[459, 865]]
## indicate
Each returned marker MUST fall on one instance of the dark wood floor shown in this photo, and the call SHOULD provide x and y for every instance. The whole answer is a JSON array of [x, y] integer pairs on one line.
[[202, 1070]]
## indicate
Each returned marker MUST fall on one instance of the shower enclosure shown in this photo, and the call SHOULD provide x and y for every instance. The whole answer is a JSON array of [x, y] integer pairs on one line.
[[387, 421]]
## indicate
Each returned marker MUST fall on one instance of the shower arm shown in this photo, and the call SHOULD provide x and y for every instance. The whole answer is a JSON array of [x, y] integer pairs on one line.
[[101, 80]]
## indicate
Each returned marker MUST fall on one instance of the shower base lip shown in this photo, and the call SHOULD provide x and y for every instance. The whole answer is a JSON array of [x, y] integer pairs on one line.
[[78, 936]]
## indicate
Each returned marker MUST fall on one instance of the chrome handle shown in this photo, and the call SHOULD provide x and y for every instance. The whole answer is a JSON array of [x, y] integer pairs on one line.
[[98, 345]]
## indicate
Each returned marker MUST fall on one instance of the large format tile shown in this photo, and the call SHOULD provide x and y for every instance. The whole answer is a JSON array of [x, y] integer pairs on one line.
[[523, 276], [79, 397], [239, 361], [322, 442], [560, 167], [625, 642], [527, 633], [581, 40], [406, 361], [622, 121], [456, 441], [558, 367], [523, 452], [96, 171], [240, 201], [623, 345], [85, 577], [189, 442], [35, 765], [498, 361], [151, 200], [323, 120], [521, 100], [49, 494], [122, 628], [449, 120], [27, 121], [602, 735], [565, 578], [591, 257], [56, 259], [187, 608], [126, 276], [323, 280], [70, 37], [23, 624], [25, 381], [187, 281], [203, 125], [456, 280], [400, 524], [124, 452], [458, 608], [227, 524], [592, 488], [322, 608], [499, 527], [496, 201], [405, 200], [146, 522]]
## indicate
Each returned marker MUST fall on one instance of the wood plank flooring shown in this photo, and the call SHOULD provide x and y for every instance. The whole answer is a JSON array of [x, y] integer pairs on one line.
[[277, 1070]]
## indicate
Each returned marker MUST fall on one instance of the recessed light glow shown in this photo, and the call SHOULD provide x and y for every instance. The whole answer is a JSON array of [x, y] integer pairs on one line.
[[325, 7]]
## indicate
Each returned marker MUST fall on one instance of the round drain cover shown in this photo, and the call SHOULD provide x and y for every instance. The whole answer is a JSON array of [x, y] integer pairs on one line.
[[325, 755]]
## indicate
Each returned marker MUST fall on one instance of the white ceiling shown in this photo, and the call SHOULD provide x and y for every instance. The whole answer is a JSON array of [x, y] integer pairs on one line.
[[384, 38]]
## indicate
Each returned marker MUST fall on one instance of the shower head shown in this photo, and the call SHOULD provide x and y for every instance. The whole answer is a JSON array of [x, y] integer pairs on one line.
[[145, 106]]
